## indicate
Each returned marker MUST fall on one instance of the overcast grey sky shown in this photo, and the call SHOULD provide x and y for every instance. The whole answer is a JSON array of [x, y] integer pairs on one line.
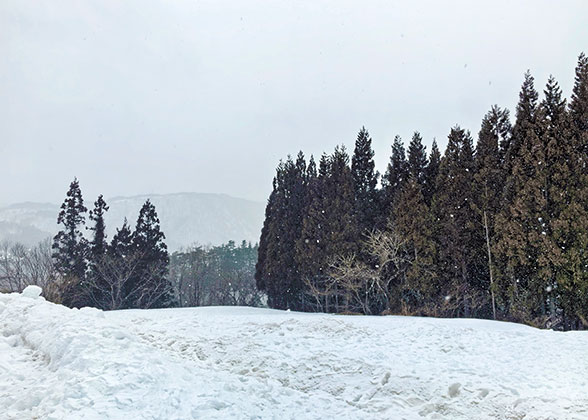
[[146, 96]]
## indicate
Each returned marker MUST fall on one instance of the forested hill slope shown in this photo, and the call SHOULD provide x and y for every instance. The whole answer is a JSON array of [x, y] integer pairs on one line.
[[186, 218]]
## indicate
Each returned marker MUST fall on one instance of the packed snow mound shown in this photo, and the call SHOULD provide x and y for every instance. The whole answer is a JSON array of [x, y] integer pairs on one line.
[[245, 363], [32, 292]]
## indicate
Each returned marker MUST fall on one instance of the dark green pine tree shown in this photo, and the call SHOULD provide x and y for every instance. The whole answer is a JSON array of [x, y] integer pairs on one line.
[[121, 245], [414, 223], [280, 274], [342, 218], [311, 247], [343, 231], [311, 172], [98, 242], [117, 270], [97, 251], [525, 122], [522, 224], [365, 181], [579, 102], [498, 121], [268, 274], [431, 173], [570, 229], [558, 192], [261, 273], [457, 236], [150, 287], [330, 226], [417, 158], [488, 183], [70, 247], [393, 180]]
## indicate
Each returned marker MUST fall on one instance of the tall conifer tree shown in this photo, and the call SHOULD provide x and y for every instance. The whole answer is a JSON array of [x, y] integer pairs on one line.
[[150, 287], [394, 179], [413, 222], [488, 183], [417, 158], [311, 247], [522, 223], [365, 181], [261, 274], [431, 173], [70, 247], [98, 243], [97, 250], [571, 228], [458, 238], [282, 278]]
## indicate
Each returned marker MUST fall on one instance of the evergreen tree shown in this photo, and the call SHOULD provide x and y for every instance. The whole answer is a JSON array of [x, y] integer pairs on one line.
[[579, 102], [311, 171], [97, 249], [342, 218], [559, 192], [417, 158], [262, 256], [116, 271], [488, 182], [150, 287], [393, 180], [70, 247], [522, 223], [413, 222], [311, 248], [525, 123], [121, 245], [431, 173], [98, 243], [281, 276], [365, 181], [570, 229], [457, 235], [330, 226], [343, 231]]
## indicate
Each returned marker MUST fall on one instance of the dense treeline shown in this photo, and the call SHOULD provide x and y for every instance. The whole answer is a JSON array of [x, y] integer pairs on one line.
[[130, 271], [497, 230], [218, 275]]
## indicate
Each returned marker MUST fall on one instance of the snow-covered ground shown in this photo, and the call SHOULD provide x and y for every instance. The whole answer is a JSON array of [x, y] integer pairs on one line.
[[245, 363]]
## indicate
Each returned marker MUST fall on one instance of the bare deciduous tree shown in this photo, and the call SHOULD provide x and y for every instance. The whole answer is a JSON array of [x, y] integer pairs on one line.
[[21, 266], [355, 286], [116, 283]]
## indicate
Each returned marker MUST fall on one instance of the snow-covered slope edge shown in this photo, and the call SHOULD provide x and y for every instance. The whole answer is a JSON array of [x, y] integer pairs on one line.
[[246, 363], [60, 363], [75, 364]]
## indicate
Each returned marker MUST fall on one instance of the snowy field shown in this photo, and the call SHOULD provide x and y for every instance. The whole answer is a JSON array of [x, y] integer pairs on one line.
[[244, 363]]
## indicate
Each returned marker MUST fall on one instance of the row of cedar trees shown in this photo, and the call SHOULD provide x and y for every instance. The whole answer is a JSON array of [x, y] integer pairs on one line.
[[499, 230], [129, 272]]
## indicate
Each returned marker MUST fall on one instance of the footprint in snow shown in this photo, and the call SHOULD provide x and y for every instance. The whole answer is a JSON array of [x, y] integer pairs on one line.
[[453, 390]]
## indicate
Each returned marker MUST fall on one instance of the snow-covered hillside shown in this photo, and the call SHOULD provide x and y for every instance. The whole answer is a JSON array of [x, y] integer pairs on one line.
[[186, 218], [244, 363]]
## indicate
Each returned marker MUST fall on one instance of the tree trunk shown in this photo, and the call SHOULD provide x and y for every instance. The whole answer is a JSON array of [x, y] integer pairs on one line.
[[490, 264]]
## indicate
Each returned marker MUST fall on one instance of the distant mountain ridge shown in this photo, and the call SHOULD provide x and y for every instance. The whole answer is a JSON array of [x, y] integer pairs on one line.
[[186, 218]]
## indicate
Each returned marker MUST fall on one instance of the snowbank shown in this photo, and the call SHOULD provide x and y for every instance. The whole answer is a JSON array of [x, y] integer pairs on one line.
[[244, 363]]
